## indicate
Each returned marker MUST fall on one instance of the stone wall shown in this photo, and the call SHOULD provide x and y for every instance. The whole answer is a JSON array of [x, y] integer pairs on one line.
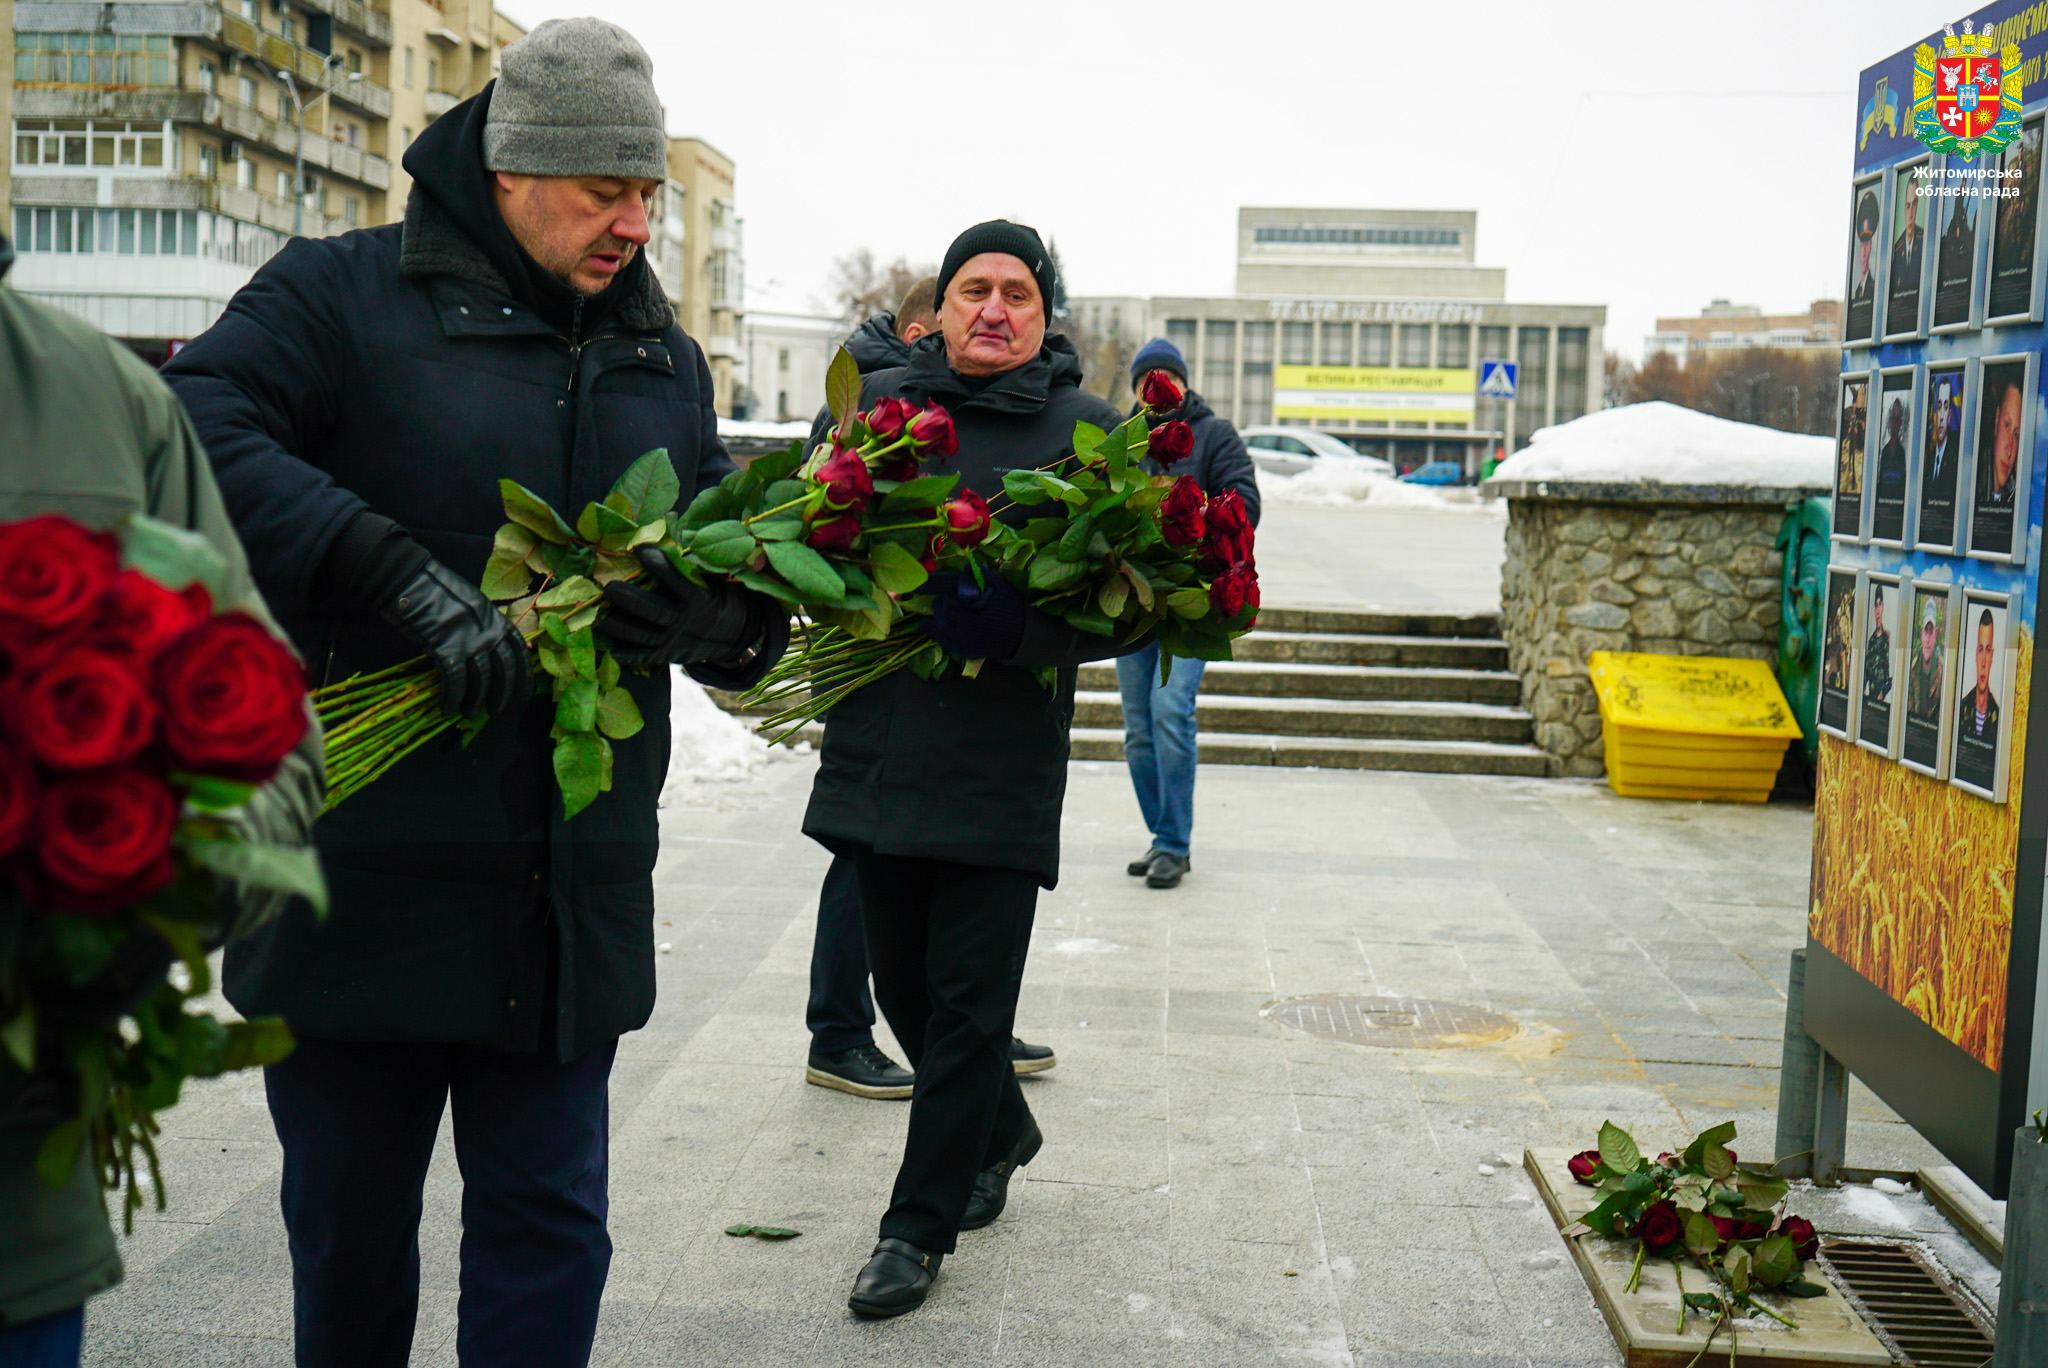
[[1663, 569]]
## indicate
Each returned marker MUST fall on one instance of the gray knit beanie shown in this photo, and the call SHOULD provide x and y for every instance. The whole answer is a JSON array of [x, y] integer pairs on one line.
[[575, 97]]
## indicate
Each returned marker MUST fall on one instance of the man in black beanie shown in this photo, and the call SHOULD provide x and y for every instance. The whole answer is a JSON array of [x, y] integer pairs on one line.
[[360, 400], [946, 793]]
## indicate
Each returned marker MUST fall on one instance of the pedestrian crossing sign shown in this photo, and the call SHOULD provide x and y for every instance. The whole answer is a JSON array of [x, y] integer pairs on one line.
[[1497, 379]]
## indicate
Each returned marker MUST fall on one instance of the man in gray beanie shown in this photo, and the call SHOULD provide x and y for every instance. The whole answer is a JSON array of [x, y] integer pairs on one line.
[[360, 400]]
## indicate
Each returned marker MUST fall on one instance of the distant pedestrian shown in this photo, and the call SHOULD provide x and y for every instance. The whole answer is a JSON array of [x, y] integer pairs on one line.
[[1159, 715]]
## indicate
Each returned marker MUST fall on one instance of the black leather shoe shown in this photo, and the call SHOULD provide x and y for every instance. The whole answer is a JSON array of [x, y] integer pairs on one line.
[[1166, 870], [863, 1071], [992, 1185], [1026, 1059], [1141, 866], [897, 1279]]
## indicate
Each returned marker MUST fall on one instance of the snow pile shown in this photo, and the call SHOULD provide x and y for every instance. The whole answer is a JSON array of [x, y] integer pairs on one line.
[[1334, 482], [774, 432], [714, 759], [1660, 443]]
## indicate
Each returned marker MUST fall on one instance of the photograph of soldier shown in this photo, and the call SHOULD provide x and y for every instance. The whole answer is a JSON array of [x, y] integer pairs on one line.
[[1850, 428], [1907, 265], [1920, 744], [1874, 720], [1895, 433], [1860, 322], [2010, 291], [2001, 422], [1955, 263], [1838, 652], [1978, 733], [1941, 453]]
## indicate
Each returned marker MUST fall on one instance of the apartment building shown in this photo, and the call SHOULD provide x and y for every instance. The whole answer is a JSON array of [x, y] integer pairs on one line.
[[696, 252], [1724, 326]]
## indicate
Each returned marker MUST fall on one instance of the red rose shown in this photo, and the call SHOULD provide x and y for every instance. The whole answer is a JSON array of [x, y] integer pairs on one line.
[[899, 466], [967, 518], [17, 799], [1170, 442], [81, 710], [1160, 391], [52, 571], [234, 699], [888, 418], [1232, 590], [1227, 517], [834, 534], [1582, 1165], [1660, 1225], [1181, 519], [1731, 1229], [848, 485], [1805, 1239], [138, 617], [932, 430], [103, 841]]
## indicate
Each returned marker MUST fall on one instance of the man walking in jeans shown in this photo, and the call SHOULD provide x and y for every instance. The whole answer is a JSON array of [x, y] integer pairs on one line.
[[1159, 717]]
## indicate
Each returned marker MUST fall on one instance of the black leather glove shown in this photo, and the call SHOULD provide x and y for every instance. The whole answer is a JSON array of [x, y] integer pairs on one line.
[[975, 622], [484, 666], [675, 622]]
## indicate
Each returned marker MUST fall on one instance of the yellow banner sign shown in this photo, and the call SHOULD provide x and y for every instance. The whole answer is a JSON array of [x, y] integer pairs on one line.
[[1374, 394]]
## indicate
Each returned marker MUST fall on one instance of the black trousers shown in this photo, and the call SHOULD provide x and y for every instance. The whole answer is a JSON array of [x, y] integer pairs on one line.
[[841, 1013], [357, 1122], [947, 945]]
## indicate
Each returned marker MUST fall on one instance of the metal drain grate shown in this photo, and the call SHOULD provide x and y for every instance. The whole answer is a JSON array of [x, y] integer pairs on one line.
[[1396, 1023], [1910, 1303]]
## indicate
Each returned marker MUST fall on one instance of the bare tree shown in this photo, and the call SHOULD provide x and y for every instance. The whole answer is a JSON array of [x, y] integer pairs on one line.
[[861, 286], [1791, 390], [1617, 375]]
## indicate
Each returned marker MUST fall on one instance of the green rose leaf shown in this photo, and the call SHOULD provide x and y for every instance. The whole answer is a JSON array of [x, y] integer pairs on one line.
[[923, 492], [607, 671], [710, 506], [1716, 1162], [172, 556], [809, 573], [570, 593], [1050, 574], [583, 652], [1188, 603], [1074, 542], [1112, 597], [768, 584], [1022, 486], [209, 793], [252, 1044], [530, 511], [649, 487], [576, 705], [618, 716], [842, 388], [507, 573], [58, 1155], [1061, 489], [1087, 437], [1703, 1301], [775, 1233], [780, 528], [1701, 1239], [1800, 1287], [895, 569], [1713, 1135], [282, 869], [580, 765], [1738, 1267], [1091, 620], [1618, 1148], [724, 545], [18, 1036], [1775, 1262], [1140, 586]]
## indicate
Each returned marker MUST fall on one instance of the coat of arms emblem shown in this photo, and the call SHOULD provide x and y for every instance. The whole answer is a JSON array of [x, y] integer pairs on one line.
[[1966, 96]]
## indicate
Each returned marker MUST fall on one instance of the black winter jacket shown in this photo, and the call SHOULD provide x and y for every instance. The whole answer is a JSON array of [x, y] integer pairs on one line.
[[875, 346], [406, 370], [972, 771], [1219, 460]]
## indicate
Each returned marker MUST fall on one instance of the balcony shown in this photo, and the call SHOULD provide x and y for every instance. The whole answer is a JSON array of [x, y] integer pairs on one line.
[[360, 19], [307, 67], [439, 102], [76, 102], [180, 20]]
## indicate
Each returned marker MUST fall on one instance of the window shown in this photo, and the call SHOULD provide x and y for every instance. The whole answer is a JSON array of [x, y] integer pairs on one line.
[[284, 185], [433, 73], [287, 26], [782, 403], [404, 136], [782, 359], [125, 59], [209, 162], [209, 77], [1336, 347], [351, 210], [1532, 352], [1572, 397], [1415, 344], [1376, 344], [405, 65], [1454, 345], [249, 10], [355, 61], [131, 232], [245, 173], [1258, 373], [1351, 235], [1493, 344], [246, 91], [1219, 363], [78, 142], [1181, 332]]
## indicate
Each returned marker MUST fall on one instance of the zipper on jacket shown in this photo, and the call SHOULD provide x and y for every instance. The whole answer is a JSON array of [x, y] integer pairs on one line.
[[575, 341]]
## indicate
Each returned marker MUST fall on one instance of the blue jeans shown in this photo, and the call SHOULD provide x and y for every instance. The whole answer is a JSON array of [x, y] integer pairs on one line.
[[51, 1342], [1159, 743]]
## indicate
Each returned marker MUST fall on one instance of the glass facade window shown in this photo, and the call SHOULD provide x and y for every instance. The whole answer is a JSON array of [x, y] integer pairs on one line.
[[1493, 345], [118, 232], [106, 59], [1181, 332], [1219, 363], [1297, 344], [1571, 373], [406, 66], [1454, 345], [1257, 401], [1376, 344], [1355, 235], [1532, 381], [1415, 344], [96, 142], [1335, 345]]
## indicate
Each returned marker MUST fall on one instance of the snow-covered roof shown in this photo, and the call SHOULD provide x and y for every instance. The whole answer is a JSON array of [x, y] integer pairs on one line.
[[1660, 443]]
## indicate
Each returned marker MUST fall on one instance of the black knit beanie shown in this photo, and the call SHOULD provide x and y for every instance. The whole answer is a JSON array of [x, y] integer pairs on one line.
[[1013, 239]]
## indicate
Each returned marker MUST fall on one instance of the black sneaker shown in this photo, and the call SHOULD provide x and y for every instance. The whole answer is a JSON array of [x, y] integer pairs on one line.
[[1026, 1059], [863, 1071], [1166, 870], [1141, 866]]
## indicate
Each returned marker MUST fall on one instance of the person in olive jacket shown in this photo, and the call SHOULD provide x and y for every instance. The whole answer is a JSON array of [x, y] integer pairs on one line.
[[87, 432], [946, 793], [361, 399]]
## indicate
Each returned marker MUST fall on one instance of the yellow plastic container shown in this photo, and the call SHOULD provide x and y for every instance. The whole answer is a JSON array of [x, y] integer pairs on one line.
[[1699, 727]]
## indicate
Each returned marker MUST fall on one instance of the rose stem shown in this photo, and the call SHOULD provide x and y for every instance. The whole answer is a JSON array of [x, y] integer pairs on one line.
[[1712, 1331], [1678, 1272], [1635, 1275]]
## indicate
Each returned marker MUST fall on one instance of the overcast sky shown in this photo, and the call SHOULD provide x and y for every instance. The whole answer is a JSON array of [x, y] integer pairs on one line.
[[1648, 156]]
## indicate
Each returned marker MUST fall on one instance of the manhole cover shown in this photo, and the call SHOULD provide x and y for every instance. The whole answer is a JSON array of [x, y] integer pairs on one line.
[[1910, 1302], [1396, 1023]]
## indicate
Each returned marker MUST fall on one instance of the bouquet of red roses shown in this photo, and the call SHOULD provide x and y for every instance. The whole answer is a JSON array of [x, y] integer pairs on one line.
[[135, 717]]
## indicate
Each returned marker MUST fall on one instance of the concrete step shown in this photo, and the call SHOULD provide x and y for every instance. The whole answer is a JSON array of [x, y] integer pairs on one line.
[[1357, 718], [1338, 648], [1279, 680], [1330, 752], [1378, 622]]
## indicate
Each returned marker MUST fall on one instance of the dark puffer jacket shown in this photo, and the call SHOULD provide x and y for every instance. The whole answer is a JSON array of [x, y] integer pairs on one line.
[[406, 370], [875, 346], [969, 770]]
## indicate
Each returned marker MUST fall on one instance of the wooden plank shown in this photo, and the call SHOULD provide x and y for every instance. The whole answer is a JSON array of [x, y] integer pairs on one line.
[[1644, 1323]]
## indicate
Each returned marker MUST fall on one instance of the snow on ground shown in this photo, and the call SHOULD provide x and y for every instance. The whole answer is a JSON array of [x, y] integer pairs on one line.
[[1663, 443], [1334, 482], [715, 760], [777, 432]]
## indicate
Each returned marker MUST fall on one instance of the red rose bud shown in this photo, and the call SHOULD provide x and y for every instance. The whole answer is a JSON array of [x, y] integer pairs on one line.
[[1160, 391], [1805, 1240], [234, 699], [1582, 1166], [1232, 590], [848, 485], [52, 572], [888, 417], [1731, 1229], [899, 466], [1181, 520], [17, 799], [1227, 517], [138, 617], [834, 534], [967, 518], [1170, 442], [103, 842], [932, 431], [1660, 1225], [81, 710]]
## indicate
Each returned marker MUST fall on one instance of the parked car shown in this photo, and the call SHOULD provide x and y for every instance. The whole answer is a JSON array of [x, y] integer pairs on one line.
[[1435, 473], [1291, 450]]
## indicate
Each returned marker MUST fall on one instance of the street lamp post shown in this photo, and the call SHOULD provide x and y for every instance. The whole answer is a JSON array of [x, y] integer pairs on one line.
[[291, 85]]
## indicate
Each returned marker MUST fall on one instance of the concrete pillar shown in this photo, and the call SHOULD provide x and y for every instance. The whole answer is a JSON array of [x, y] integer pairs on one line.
[[2023, 1276]]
